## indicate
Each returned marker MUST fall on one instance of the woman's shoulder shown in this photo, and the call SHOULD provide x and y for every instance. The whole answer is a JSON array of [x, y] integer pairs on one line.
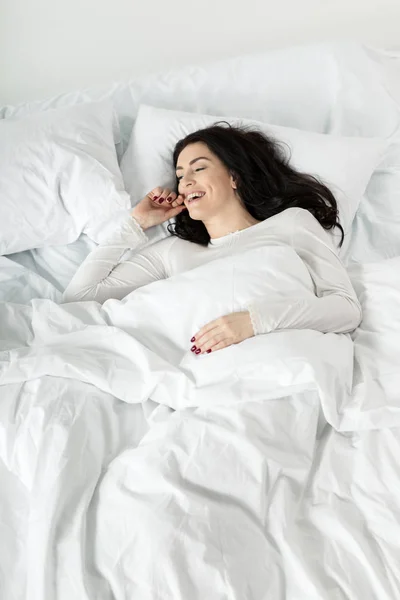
[[289, 218], [299, 226], [298, 218], [294, 213]]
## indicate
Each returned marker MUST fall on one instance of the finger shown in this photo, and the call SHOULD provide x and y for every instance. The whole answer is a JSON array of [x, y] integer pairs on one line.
[[209, 341], [165, 194], [171, 197], [173, 212], [179, 200], [155, 193], [220, 346], [201, 334], [160, 196]]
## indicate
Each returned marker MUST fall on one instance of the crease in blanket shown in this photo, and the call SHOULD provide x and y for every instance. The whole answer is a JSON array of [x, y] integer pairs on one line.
[[217, 484]]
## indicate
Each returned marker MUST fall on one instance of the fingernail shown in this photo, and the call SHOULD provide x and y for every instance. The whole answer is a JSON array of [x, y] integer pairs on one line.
[[209, 350], [197, 351], [193, 339], [193, 348], [161, 200], [169, 199], [155, 197]]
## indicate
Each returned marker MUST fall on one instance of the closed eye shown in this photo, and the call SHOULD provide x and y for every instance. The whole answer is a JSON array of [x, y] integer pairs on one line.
[[198, 169]]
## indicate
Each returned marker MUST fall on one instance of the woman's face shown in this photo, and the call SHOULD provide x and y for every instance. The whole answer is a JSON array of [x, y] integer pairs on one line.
[[199, 170]]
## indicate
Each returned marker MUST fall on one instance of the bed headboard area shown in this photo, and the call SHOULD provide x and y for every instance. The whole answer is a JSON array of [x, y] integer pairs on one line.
[[48, 47]]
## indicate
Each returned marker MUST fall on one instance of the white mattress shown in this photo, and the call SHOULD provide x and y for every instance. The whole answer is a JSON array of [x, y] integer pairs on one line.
[[102, 497]]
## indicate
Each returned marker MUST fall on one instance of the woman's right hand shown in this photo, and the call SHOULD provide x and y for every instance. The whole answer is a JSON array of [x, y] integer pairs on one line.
[[158, 206]]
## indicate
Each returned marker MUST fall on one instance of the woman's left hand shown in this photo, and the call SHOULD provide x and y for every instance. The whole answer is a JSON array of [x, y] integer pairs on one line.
[[223, 332]]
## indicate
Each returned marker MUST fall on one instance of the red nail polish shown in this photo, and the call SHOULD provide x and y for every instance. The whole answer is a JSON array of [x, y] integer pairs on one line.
[[209, 350], [155, 197], [193, 348], [193, 339], [197, 351], [161, 200]]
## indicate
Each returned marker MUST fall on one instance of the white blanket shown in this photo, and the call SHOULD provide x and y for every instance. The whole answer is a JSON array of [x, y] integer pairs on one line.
[[131, 468]]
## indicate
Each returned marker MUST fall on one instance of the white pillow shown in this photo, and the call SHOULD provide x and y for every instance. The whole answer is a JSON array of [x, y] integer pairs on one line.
[[59, 176], [345, 164]]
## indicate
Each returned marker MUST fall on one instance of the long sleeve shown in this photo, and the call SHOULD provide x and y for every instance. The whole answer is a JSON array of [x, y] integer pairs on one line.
[[102, 276], [335, 307]]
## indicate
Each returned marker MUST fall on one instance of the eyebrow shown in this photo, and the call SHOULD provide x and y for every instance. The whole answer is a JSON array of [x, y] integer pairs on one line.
[[195, 160]]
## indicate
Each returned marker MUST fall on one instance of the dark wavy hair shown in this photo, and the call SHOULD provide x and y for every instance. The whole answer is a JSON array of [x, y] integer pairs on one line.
[[266, 183]]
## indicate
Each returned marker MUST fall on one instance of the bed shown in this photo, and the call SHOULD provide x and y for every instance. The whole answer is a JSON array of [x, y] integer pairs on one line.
[[130, 470]]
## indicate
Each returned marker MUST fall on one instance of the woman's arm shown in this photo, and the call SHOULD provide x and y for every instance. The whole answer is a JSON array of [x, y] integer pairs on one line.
[[335, 307], [101, 276]]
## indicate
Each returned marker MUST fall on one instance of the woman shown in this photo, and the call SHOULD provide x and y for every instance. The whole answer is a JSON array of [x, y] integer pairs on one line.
[[236, 190]]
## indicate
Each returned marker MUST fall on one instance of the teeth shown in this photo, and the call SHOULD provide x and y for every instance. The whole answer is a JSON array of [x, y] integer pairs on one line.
[[195, 195]]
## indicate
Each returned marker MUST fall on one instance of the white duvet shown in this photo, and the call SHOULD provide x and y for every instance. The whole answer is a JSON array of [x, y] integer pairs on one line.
[[131, 468]]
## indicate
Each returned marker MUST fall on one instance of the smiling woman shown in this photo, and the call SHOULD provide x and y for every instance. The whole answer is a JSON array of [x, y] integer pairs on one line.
[[210, 191], [248, 179], [235, 191]]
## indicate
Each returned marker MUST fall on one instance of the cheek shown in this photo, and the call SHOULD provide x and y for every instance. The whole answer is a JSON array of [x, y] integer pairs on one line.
[[223, 185], [215, 183]]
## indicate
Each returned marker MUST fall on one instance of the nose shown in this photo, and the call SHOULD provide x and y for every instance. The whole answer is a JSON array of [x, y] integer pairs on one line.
[[186, 182]]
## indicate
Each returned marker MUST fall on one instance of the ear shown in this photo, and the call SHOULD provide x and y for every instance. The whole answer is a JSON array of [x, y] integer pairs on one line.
[[233, 181]]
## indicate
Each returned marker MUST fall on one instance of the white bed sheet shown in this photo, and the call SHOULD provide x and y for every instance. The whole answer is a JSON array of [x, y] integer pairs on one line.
[[262, 487], [100, 495], [42, 272]]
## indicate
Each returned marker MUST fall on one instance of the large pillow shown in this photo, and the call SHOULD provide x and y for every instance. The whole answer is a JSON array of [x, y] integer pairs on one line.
[[59, 176], [345, 164], [296, 86]]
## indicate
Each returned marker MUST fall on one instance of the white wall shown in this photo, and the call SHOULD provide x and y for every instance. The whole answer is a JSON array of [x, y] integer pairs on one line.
[[51, 46]]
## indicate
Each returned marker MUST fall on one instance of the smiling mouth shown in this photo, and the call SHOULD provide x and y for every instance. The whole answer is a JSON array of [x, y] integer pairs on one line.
[[195, 199]]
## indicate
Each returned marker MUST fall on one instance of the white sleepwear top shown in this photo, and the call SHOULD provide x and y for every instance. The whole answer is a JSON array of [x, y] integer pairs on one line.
[[335, 307]]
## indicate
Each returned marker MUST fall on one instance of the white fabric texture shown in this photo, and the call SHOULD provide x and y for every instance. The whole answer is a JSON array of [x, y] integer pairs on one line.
[[59, 176], [332, 305], [342, 88], [229, 474], [345, 164], [23, 274], [298, 87], [130, 468]]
